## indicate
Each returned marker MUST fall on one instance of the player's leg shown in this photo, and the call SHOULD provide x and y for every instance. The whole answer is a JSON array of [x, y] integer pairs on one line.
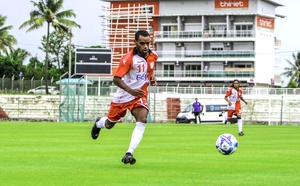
[[229, 116], [240, 122], [140, 114], [140, 111], [96, 130], [114, 114]]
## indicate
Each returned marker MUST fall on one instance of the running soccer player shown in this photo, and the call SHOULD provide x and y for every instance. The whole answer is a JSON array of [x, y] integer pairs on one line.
[[233, 97], [135, 71]]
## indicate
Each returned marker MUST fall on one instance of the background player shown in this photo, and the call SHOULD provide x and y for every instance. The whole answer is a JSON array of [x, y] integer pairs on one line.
[[233, 97]]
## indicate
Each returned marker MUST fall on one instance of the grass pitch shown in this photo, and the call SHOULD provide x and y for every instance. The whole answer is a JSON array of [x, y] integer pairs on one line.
[[169, 154]]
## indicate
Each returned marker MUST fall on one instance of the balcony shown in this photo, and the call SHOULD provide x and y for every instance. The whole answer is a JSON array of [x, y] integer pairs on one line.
[[208, 74], [228, 53], [163, 36], [202, 55]]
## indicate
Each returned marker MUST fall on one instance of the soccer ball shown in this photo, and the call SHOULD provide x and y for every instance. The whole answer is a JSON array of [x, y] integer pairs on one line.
[[226, 144]]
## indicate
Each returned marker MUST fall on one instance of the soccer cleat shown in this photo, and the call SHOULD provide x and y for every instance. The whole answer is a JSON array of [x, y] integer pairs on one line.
[[241, 133], [95, 130], [128, 158]]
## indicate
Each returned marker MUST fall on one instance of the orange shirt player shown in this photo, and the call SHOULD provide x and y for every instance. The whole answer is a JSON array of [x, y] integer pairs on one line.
[[133, 76], [233, 96]]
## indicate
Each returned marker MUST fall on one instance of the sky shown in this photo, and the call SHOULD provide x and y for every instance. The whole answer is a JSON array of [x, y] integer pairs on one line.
[[88, 14]]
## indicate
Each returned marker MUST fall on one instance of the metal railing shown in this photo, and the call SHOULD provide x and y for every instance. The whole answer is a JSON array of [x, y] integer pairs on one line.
[[12, 85], [236, 73], [206, 54], [7, 85], [171, 90], [203, 34]]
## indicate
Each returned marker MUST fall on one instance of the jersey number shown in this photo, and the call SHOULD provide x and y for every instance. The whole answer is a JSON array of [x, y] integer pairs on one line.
[[141, 68]]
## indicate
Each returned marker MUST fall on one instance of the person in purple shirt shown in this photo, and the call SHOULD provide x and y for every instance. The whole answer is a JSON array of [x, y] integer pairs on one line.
[[197, 108]]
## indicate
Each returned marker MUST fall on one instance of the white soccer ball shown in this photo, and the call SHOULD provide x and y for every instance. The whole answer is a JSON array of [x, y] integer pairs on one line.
[[226, 144]]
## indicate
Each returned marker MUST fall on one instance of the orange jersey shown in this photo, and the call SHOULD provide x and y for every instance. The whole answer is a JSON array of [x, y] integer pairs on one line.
[[135, 72], [234, 97]]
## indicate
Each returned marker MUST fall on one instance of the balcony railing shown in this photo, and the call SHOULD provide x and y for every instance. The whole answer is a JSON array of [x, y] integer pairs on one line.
[[205, 73], [207, 54], [174, 90], [203, 34]]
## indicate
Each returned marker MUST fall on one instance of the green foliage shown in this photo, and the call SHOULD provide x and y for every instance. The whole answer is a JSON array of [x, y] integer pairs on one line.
[[169, 154], [48, 12], [58, 47], [292, 84], [8, 67], [293, 71], [6, 40], [34, 69]]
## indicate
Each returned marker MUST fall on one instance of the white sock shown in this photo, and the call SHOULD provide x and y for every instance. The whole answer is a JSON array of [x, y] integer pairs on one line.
[[136, 136], [101, 122], [240, 125]]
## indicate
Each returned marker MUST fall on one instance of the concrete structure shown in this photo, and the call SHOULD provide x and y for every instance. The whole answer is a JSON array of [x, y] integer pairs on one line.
[[263, 109], [200, 42]]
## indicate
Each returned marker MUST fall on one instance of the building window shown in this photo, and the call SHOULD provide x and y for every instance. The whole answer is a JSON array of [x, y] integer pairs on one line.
[[169, 70], [218, 29], [217, 48], [193, 70], [242, 65], [169, 31], [244, 30], [148, 9]]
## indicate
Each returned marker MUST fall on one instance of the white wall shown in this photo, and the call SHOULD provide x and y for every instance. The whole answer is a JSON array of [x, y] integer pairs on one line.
[[266, 109], [265, 57]]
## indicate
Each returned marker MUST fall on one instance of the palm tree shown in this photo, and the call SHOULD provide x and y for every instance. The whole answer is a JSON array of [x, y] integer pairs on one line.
[[294, 70], [6, 40], [19, 55], [48, 12]]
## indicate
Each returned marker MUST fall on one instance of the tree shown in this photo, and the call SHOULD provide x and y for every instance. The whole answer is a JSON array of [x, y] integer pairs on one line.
[[293, 72], [8, 67], [6, 40], [58, 46], [48, 12], [34, 69], [19, 55]]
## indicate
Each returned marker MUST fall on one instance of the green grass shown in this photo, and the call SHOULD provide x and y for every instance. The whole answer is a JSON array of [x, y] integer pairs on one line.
[[170, 154]]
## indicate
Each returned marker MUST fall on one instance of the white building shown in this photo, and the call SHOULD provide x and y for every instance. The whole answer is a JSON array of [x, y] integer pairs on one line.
[[200, 42]]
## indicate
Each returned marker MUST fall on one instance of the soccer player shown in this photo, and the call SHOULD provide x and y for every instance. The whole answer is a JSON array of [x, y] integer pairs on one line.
[[197, 110], [135, 71], [233, 97]]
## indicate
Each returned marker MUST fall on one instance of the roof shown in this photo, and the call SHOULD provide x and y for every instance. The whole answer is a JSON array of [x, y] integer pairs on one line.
[[273, 2], [74, 81]]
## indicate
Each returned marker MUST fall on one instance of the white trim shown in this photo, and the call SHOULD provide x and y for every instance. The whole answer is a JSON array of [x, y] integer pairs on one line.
[[194, 24], [217, 23], [169, 24], [243, 23]]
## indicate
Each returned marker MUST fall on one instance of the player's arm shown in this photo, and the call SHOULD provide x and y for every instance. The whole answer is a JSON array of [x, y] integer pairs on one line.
[[153, 81], [241, 97], [120, 83], [229, 102]]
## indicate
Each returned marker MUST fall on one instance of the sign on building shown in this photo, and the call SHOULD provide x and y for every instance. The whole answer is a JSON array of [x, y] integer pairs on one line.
[[93, 61]]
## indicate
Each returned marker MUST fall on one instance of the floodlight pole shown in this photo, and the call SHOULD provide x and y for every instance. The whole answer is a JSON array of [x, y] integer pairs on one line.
[[70, 52]]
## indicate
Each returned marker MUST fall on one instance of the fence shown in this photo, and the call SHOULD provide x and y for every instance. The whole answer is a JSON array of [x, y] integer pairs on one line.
[[12, 85], [21, 86]]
